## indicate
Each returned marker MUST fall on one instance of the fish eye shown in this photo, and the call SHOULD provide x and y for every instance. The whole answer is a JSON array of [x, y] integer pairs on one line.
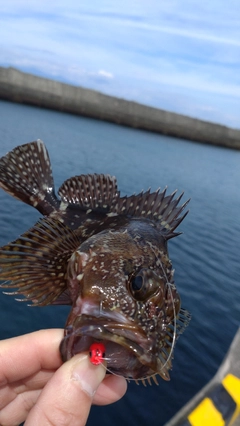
[[137, 283], [143, 285]]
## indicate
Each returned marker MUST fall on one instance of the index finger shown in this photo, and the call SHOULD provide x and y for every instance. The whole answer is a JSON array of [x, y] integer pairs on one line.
[[32, 352]]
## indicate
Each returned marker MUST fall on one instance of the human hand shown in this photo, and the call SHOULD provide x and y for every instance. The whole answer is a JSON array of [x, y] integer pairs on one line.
[[35, 386]]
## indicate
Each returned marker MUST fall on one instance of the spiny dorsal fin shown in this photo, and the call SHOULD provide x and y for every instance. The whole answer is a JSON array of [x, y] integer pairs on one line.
[[26, 174], [155, 206], [36, 263], [90, 191]]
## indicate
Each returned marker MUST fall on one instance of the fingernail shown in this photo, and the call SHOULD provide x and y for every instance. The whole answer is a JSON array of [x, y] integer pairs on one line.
[[89, 376]]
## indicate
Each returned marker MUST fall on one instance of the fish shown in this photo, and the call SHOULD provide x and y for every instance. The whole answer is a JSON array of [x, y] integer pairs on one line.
[[105, 255]]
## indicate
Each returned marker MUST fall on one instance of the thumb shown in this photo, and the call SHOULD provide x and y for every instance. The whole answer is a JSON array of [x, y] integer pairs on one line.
[[67, 397]]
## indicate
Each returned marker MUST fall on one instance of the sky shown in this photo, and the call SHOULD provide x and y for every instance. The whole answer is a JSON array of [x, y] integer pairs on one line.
[[178, 55]]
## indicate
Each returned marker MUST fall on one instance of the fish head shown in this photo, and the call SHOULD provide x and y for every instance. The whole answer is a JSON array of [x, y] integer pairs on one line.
[[124, 296]]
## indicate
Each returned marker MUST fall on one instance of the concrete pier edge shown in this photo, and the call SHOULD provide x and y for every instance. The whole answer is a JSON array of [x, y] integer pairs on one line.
[[21, 87], [223, 392]]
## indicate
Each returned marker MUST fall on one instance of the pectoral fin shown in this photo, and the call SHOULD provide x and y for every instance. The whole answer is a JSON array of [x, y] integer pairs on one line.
[[36, 263]]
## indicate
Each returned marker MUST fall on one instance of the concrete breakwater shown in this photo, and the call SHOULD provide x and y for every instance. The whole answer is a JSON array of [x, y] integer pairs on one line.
[[26, 88]]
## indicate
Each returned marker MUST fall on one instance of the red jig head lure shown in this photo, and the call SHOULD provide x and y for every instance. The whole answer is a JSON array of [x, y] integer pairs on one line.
[[97, 353]]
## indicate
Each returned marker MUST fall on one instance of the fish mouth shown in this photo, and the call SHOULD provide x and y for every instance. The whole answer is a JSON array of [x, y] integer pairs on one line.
[[128, 351]]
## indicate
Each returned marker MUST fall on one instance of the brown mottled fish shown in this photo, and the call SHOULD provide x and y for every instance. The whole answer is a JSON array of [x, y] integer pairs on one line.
[[105, 255]]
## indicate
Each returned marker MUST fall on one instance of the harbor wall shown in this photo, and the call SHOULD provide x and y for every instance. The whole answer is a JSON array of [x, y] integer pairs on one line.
[[17, 86]]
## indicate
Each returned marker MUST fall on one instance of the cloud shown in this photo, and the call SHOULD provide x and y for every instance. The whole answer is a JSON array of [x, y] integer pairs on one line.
[[152, 53], [105, 74]]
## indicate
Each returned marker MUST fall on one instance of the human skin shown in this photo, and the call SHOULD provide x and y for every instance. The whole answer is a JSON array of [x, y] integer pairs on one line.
[[36, 387]]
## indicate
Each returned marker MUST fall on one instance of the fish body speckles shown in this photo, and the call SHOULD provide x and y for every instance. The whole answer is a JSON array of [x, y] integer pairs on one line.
[[105, 255]]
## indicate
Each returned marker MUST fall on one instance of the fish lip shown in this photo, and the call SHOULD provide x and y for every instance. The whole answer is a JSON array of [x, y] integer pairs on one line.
[[91, 319], [87, 329], [129, 336]]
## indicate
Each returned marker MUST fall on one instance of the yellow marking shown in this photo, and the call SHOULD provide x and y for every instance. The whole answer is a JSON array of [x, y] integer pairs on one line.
[[232, 385], [206, 414]]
